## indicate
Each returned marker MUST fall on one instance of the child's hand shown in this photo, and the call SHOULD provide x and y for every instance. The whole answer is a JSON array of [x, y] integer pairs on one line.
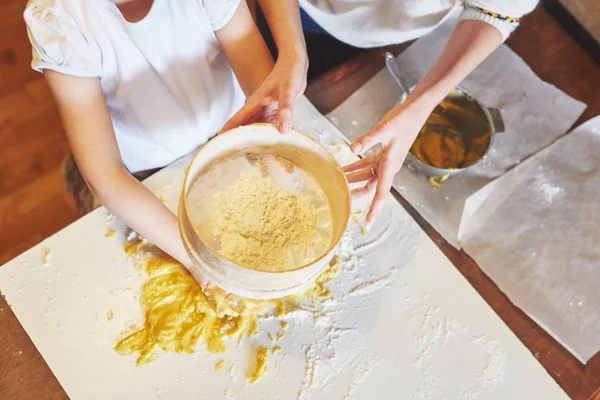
[[273, 101]]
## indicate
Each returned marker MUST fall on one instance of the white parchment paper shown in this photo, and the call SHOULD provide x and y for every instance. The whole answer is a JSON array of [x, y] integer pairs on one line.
[[402, 322], [535, 114], [536, 232]]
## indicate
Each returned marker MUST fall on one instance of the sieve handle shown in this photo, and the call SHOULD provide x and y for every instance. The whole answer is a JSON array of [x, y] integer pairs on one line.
[[497, 121]]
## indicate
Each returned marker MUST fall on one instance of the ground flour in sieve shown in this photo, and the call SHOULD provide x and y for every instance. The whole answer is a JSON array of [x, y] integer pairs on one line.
[[264, 227]]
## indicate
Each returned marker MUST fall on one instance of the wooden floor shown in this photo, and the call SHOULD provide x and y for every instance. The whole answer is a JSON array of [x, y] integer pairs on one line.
[[33, 200]]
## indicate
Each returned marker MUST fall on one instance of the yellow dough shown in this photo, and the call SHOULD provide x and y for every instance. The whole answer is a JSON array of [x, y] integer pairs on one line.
[[178, 313], [262, 357]]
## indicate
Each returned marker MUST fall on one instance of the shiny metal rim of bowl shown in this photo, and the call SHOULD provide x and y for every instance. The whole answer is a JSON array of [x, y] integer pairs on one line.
[[247, 282]]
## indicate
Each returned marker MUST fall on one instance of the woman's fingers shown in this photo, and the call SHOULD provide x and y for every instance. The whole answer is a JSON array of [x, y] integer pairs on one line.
[[380, 133], [365, 190], [269, 113], [284, 118], [362, 175], [388, 169], [360, 164], [287, 96]]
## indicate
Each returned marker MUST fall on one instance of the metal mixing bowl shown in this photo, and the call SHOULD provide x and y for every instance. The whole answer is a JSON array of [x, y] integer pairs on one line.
[[305, 153], [493, 124]]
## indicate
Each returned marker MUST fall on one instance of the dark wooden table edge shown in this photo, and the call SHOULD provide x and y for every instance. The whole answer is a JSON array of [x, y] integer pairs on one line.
[[574, 28]]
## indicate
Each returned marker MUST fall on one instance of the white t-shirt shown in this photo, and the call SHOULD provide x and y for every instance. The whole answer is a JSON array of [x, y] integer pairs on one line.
[[374, 23], [167, 82]]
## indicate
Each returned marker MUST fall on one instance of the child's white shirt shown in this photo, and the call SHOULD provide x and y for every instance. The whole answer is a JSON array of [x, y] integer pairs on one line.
[[167, 82]]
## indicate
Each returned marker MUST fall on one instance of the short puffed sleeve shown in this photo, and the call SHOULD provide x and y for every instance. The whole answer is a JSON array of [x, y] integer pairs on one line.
[[58, 41], [218, 12]]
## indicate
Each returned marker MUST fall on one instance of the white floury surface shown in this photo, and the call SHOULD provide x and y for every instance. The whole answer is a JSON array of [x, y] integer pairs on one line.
[[534, 231], [403, 323]]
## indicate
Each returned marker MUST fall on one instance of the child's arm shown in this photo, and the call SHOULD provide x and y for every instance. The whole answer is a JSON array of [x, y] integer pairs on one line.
[[271, 92], [288, 79], [245, 49], [90, 132], [283, 17]]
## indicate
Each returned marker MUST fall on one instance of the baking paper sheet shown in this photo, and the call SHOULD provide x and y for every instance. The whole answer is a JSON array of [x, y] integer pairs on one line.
[[535, 114], [403, 322], [536, 232]]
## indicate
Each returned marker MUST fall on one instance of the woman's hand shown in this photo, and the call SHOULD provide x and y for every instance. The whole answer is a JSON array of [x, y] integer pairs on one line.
[[395, 132], [273, 101], [471, 42]]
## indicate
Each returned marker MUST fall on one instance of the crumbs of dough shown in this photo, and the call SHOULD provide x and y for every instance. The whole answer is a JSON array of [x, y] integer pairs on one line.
[[46, 255], [260, 369], [178, 313], [281, 333], [437, 181], [355, 220]]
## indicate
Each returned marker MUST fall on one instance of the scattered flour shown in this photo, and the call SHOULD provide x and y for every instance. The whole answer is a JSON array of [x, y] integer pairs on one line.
[[362, 369], [337, 359], [348, 255], [132, 236], [336, 347], [110, 218], [434, 336], [322, 364], [548, 190]]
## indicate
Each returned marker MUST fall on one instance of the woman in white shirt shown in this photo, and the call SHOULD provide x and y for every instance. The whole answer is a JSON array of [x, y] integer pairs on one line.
[[140, 83], [484, 25]]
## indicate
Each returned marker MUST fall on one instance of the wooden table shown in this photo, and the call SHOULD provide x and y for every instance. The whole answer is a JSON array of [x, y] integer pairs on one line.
[[556, 58], [553, 55]]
